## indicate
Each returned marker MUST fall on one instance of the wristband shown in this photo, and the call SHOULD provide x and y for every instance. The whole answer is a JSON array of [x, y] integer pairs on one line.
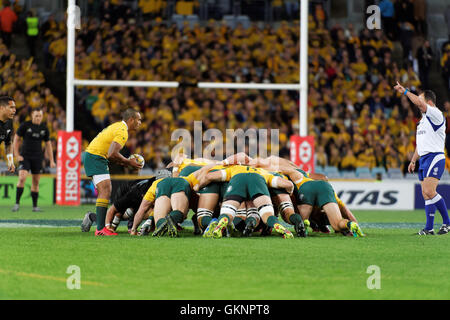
[[406, 91], [10, 159]]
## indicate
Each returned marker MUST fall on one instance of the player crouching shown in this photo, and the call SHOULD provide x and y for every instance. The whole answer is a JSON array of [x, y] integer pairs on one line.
[[170, 199], [246, 183]]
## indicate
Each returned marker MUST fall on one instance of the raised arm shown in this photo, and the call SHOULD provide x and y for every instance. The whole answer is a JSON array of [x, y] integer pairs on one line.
[[420, 103]]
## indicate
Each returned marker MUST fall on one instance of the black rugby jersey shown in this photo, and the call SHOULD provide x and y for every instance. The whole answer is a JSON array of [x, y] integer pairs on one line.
[[33, 135], [6, 132]]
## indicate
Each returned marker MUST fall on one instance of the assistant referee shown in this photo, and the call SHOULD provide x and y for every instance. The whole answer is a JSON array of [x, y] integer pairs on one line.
[[31, 156]]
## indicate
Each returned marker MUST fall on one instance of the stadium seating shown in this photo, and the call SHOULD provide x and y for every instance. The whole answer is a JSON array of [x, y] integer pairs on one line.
[[412, 176], [353, 72], [394, 173], [378, 170], [319, 169], [348, 175]]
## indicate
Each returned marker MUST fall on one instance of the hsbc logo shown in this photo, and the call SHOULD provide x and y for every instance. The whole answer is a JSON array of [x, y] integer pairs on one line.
[[72, 147], [302, 152], [68, 170], [305, 151]]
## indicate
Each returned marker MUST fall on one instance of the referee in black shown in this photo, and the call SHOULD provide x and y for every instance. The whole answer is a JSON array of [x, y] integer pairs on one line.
[[7, 112], [31, 155]]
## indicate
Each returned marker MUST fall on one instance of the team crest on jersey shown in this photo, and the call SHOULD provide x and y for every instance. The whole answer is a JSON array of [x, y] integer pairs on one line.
[[42, 132], [435, 170]]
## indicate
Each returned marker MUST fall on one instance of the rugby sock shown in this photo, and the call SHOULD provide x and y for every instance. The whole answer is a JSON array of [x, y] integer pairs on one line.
[[18, 194], [442, 207], [271, 221], [430, 209], [177, 216], [204, 217], [34, 197], [239, 223], [249, 219], [101, 206], [160, 222], [295, 219]]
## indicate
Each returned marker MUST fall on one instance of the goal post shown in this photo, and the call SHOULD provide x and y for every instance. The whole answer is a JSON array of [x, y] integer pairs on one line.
[[302, 86]]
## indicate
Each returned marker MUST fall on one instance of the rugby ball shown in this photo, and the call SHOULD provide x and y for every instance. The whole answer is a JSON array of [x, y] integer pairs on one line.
[[139, 159]]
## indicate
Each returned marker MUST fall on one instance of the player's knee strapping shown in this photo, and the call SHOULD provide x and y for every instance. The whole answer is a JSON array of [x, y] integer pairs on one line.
[[252, 213], [227, 211], [286, 208], [204, 217], [238, 220], [265, 209]]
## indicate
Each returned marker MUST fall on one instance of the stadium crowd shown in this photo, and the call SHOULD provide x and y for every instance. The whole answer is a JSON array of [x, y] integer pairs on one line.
[[357, 118], [22, 80]]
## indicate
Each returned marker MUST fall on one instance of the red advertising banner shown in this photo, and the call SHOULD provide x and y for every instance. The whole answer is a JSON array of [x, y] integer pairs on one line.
[[68, 168], [302, 152]]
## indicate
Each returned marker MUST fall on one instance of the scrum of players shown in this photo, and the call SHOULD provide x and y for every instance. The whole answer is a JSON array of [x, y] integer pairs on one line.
[[239, 196]]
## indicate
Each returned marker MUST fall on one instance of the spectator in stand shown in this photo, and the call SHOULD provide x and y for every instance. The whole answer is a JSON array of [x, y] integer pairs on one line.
[[387, 16], [32, 32], [351, 104], [447, 19], [292, 9], [425, 60], [445, 65], [7, 19], [420, 17], [447, 131], [406, 36]]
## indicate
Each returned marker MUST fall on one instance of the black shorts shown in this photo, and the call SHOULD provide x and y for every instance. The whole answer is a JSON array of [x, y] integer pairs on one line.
[[128, 200], [31, 164]]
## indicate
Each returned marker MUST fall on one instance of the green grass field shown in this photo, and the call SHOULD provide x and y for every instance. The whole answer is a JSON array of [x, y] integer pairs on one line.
[[37, 249]]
